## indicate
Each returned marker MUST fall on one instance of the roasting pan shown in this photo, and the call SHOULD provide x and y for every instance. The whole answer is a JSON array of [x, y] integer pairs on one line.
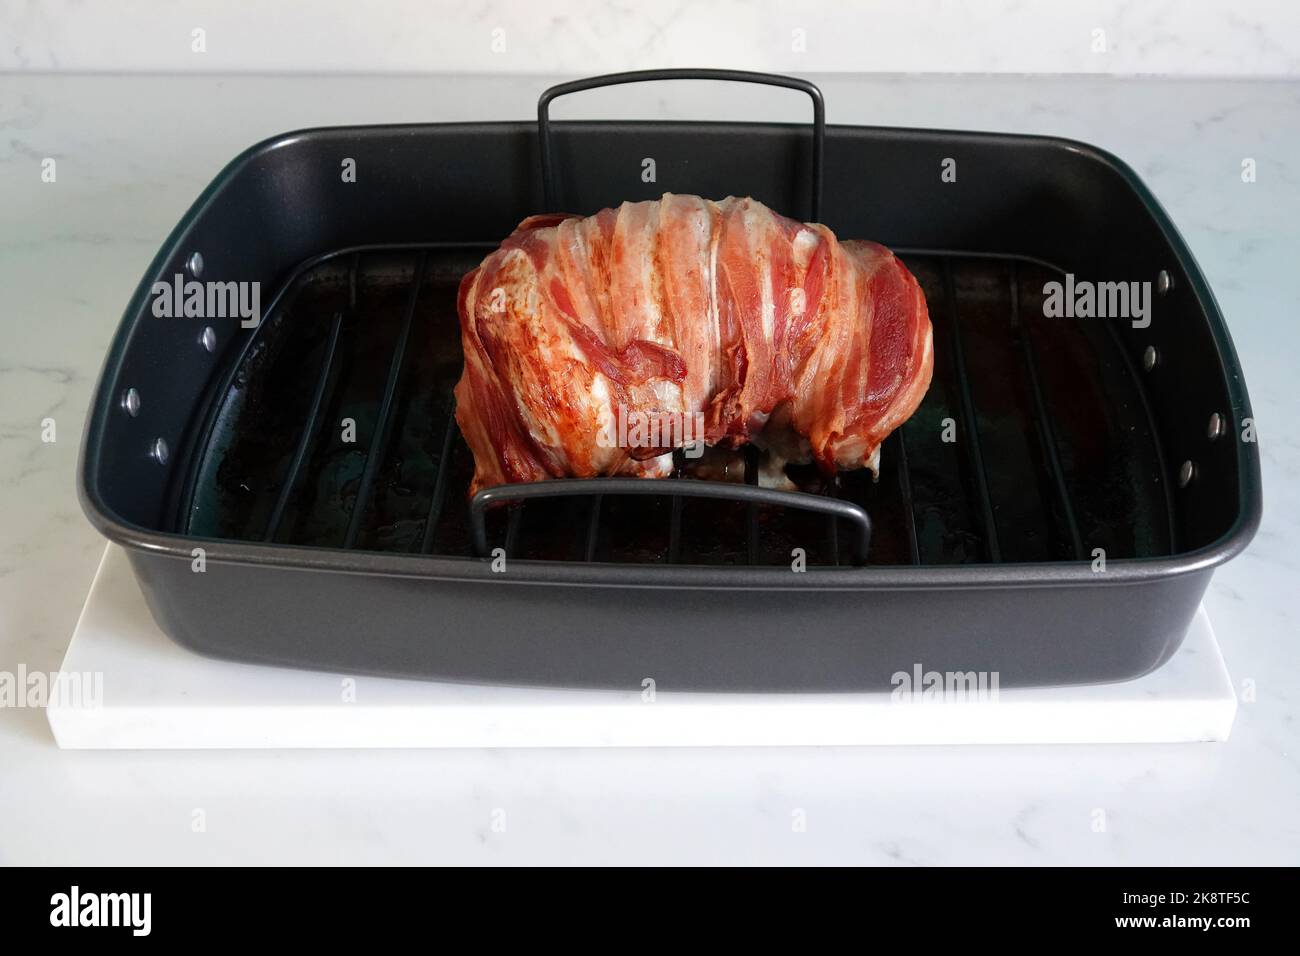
[[1051, 514]]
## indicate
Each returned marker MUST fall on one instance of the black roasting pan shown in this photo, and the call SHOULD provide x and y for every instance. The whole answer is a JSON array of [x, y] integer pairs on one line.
[[1051, 514]]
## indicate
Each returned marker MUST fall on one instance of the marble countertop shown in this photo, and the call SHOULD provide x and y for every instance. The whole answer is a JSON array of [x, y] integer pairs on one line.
[[132, 152], [1167, 37]]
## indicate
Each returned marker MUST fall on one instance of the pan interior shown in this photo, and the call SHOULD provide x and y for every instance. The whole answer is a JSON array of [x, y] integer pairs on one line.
[[336, 430]]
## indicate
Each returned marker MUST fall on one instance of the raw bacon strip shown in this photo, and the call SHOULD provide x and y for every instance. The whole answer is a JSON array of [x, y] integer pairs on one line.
[[761, 328]]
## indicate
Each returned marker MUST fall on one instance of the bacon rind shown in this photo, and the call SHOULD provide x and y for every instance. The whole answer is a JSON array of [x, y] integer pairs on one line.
[[683, 306]]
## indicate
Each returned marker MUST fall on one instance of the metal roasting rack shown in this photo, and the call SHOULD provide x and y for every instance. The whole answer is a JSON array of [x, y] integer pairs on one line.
[[835, 509]]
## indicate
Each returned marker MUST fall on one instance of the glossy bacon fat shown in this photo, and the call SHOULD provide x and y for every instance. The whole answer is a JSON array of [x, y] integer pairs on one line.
[[595, 346]]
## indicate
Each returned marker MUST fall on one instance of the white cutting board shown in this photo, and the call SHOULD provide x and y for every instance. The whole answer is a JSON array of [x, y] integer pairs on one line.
[[156, 694]]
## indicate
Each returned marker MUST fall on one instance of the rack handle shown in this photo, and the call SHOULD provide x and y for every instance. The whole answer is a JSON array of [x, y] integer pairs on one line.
[[642, 76], [685, 488]]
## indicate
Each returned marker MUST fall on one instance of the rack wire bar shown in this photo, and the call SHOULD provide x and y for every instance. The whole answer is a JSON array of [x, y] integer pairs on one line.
[[313, 415], [716, 490], [1042, 418], [304, 439], [832, 526], [833, 536], [905, 486], [969, 422], [751, 509], [513, 521], [439, 482], [593, 528], [379, 443], [675, 530], [675, 518]]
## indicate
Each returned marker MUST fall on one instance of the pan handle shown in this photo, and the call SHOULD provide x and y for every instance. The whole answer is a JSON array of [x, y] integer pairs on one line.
[[641, 76], [684, 488]]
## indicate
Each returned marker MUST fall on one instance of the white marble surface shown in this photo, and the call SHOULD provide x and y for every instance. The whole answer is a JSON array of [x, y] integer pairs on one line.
[[1179, 37], [132, 153]]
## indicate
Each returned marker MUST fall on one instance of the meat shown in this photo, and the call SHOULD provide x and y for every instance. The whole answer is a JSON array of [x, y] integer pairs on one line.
[[595, 346]]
